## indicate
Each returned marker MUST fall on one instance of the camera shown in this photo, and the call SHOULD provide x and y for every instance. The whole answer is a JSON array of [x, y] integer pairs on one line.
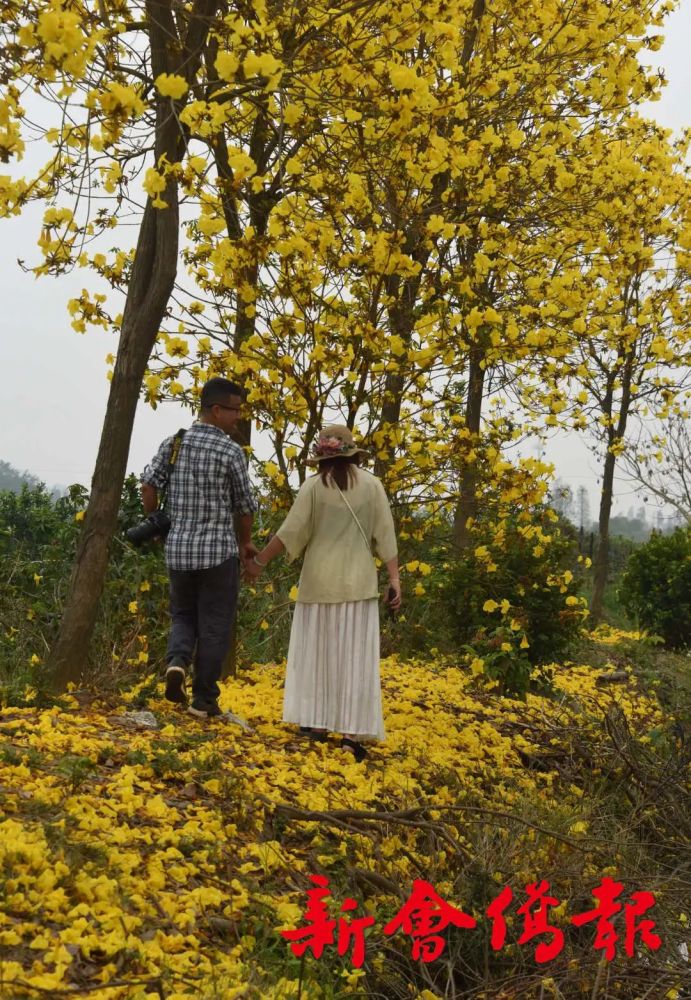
[[156, 525]]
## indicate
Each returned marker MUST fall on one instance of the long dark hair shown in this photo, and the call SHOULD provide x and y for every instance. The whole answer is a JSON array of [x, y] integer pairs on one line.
[[339, 470]]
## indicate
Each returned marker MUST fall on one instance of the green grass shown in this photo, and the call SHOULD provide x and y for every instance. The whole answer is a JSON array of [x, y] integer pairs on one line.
[[612, 611], [666, 672]]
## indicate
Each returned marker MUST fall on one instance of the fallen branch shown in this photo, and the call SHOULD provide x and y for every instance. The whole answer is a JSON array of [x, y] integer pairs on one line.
[[407, 817]]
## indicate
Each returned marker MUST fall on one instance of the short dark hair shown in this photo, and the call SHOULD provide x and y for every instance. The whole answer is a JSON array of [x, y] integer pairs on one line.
[[216, 390]]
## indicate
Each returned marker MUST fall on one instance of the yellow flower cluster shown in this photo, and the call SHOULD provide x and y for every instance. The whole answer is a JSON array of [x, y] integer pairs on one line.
[[608, 635]]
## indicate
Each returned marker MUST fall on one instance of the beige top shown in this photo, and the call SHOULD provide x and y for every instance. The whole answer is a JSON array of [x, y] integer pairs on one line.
[[338, 566]]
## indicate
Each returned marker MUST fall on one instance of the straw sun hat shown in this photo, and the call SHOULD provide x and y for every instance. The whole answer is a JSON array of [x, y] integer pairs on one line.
[[335, 441]]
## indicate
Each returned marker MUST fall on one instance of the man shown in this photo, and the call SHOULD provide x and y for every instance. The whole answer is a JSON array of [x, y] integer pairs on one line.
[[208, 486]]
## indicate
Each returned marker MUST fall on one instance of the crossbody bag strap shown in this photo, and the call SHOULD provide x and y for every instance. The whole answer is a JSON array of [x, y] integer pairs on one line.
[[369, 547], [174, 452]]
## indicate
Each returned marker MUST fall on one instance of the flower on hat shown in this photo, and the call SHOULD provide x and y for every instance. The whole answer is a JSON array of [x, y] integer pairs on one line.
[[335, 441], [331, 446]]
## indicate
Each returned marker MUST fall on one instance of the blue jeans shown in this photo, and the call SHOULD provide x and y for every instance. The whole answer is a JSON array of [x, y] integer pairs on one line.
[[202, 611]]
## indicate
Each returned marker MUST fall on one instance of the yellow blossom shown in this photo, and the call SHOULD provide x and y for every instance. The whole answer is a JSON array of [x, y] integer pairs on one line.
[[170, 85]]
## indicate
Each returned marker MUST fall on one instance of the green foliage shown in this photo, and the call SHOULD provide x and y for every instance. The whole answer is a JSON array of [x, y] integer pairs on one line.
[[620, 551], [265, 607], [32, 519], [656, 587], [512, 596], [38, 541], [612, 609], [502, 662], [75, 769]]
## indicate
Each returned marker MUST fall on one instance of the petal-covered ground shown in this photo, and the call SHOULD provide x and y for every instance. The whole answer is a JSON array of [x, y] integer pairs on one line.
[[163, 863]]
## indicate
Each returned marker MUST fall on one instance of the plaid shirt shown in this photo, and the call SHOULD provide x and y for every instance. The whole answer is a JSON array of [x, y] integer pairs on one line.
[[208, 485]]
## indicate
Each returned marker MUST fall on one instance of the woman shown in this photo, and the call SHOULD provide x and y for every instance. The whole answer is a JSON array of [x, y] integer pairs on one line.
[[338, 518]]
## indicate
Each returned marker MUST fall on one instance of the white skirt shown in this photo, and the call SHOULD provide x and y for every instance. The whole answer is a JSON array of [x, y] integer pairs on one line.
[[332, 677]]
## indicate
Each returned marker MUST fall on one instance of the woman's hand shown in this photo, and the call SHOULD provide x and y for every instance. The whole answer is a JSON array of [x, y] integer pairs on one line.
[[394, 601], [252, 569], [393, 596]]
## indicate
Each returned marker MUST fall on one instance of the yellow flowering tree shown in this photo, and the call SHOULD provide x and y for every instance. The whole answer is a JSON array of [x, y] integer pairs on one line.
[[626, 301], [480, 153], [370, 198], [112, 79], [660, 460], [441, 190], [139, 101]]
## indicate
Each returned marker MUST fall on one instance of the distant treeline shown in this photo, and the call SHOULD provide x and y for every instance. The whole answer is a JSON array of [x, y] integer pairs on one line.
[[13, 480], [636, 525]]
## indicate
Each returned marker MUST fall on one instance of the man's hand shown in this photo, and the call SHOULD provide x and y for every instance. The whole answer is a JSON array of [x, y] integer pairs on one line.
[[250, 569]]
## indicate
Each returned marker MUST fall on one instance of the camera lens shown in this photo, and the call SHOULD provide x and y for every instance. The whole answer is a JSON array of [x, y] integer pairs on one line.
[[157, 525], [141, 533]]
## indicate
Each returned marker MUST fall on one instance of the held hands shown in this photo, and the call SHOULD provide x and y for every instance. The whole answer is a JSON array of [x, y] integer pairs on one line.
[[247, 551], [250, 568]]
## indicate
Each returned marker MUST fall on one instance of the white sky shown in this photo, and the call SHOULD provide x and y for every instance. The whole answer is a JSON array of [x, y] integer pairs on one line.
[[54, 386]]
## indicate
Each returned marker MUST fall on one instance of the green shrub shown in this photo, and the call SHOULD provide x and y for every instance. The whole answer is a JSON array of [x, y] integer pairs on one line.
[[656, 587], [38, 541], [513, 595]]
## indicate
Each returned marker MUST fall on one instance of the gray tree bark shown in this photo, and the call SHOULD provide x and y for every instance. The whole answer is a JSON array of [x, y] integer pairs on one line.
[[467, 500], [601, 566]]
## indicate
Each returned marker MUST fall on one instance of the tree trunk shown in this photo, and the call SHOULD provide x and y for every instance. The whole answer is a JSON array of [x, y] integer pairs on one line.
[[260, 208], [467, 500], [602, 554], [402, 321], [155, 265], [150, 287], [606, 497]]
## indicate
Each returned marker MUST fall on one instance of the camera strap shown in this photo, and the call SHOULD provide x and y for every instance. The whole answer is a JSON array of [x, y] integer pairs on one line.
[[174, 452]]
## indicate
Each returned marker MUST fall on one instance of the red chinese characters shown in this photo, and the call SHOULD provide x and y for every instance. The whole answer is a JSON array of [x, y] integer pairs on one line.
[[534, 913], [536, 922], [321, 929], [425, 916], [606, 936], [495, 911]]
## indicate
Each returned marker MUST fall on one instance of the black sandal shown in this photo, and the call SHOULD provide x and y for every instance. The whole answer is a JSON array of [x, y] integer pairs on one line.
[[313, 734], [357, 749]]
